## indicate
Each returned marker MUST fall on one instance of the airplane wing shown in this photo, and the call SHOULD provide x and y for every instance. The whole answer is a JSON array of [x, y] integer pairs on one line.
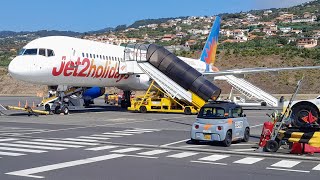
[[256, 70]]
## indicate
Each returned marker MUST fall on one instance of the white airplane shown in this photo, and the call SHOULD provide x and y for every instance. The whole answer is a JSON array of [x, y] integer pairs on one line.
[[63, 62]]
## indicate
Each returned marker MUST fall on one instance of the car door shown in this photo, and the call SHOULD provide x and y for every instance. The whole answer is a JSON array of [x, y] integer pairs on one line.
[[238, 122]]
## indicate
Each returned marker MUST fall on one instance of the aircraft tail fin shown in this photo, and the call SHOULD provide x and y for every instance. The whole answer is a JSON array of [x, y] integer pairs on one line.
[[208, 54]]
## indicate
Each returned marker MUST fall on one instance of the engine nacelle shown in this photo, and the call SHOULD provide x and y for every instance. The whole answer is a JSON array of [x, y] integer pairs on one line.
[[92, 93]]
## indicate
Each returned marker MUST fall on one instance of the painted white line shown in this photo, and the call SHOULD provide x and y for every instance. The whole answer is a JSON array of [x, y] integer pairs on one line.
[[149, 157], [22, 150], [10, 154], [176, 142], [258, 125], [95, 138], [101, 148], [125, 132], [240, 150], [67, 142], [31, 146], [194, 146], [243, 144], [203, 162], [248, 160], [126, 150], [119, 134], [49, 144], [285, 164], [8, 139], [30, 172], [182, 155], [214, 157], [137, 130], [81, 140], [290, 170], [317, 168], [141, 129], [153, 152], [109, 136]]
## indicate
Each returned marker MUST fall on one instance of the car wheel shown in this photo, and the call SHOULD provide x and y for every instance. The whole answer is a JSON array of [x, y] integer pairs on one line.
[[65, 110], [187, 111], [228, 140], [143, 109], [47, 107], [246, 135]]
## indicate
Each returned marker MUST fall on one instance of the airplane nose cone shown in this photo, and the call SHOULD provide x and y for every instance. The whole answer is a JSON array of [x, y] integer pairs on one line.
[[16, 69]]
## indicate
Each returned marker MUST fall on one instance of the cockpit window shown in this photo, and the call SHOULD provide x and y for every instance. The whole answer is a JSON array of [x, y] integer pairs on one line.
[[30, 52], [42, 52], [21, 52], [50, 52]]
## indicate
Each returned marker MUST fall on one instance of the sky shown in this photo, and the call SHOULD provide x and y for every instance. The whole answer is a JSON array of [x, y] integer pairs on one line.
[[90, 15]]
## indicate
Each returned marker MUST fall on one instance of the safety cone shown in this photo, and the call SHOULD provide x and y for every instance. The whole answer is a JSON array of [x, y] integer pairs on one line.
[[19, 104]]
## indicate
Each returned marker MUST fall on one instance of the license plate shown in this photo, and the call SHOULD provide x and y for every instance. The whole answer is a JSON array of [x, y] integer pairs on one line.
[[207, 136]]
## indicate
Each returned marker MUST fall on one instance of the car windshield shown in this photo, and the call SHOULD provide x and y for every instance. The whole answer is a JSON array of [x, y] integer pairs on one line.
[[211, 113]]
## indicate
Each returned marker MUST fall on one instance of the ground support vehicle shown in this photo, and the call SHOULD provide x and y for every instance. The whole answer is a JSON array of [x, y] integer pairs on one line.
[[156, 100], [220, 121]]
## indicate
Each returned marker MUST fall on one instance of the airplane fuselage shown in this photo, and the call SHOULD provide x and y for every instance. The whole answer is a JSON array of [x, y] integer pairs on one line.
[[70, 61]]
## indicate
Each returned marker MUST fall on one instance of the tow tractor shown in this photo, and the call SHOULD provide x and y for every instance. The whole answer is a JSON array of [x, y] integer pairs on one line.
[[156, 100], [282, 131]]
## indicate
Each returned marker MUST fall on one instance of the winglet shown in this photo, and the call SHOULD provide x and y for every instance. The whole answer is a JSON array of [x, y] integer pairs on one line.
[[208, 54]]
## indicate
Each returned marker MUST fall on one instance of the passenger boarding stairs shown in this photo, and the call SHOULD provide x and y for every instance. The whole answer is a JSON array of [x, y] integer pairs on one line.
[[135, 62], [251, 91]]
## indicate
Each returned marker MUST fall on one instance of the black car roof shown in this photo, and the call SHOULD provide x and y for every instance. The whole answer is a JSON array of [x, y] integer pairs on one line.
[[223, 104]]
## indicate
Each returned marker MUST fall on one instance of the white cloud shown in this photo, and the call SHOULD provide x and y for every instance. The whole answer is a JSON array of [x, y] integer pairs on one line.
[[265, 4]]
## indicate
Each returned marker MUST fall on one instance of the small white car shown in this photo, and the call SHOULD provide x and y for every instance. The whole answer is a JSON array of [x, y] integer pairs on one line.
[[220, 121]]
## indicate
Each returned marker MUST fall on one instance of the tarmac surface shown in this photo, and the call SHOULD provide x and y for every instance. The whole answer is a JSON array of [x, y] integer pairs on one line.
[[105, 142]]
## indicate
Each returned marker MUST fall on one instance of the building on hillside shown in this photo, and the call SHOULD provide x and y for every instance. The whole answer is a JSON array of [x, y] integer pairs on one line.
[[316, 34], [270, 30], [296, 31], [168, 37], [285, 18], [285, 29], [241, 38], [313, 18], [174, 48], [307, 42]]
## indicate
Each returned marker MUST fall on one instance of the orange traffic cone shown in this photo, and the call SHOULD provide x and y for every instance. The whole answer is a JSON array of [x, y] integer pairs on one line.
[[19, 104]]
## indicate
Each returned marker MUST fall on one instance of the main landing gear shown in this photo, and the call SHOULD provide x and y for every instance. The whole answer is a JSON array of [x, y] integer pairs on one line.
[[125, 102]]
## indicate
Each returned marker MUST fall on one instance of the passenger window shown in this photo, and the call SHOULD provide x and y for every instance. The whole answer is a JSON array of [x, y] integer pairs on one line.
[[100, 57], [50, 52], [82, 54], [112, 58], [236, 112], [90, 55], [87, 55], [42, 52], [31, 52], [94, 56], [104, 58]]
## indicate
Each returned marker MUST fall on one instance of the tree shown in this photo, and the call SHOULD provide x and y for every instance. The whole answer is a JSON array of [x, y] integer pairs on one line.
[[121, 27]]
